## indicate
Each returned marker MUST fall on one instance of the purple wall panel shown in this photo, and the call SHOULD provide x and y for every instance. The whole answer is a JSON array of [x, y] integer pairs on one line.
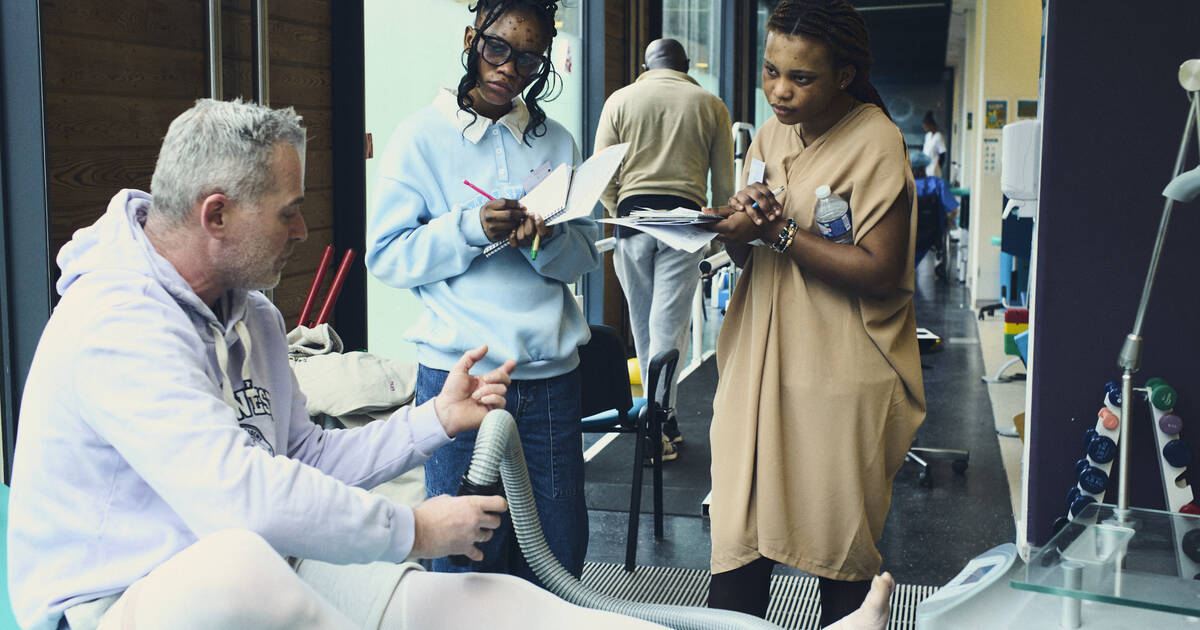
[[1113, 117]]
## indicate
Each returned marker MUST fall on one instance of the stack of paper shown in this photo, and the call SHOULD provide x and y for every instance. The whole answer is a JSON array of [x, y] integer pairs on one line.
[[678, 216], [680, 228]]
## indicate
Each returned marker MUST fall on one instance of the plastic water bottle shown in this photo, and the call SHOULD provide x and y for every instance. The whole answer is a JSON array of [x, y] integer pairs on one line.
[[833, 216]]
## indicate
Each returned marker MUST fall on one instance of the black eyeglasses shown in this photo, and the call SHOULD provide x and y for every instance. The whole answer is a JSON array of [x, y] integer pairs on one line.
[[498, 52]]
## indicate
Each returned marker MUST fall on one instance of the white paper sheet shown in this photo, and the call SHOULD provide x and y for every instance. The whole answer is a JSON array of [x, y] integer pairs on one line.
[[757, 173], [549, 196], [689, 238], [590, 180]]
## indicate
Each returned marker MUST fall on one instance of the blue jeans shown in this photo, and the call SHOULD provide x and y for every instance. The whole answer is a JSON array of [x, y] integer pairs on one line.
[[547, 415]]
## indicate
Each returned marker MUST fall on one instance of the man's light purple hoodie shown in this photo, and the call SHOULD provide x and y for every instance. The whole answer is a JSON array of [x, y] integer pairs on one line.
[[149, 421]]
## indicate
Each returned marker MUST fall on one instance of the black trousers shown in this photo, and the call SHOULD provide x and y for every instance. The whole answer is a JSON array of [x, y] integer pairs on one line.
[[748, 589]]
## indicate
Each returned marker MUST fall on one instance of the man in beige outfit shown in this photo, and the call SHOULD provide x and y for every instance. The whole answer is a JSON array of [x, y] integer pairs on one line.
[[679, 133]]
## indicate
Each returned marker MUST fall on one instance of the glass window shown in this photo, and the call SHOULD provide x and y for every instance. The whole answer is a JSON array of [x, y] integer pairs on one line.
[[566, 53], [697, 25], [762, 109]]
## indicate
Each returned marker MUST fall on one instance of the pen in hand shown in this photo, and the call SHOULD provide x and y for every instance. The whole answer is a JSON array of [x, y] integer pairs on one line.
[[537, 239], [775, 191]]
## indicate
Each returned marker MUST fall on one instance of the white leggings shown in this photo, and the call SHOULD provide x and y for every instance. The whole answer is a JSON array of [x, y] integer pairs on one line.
[[233, 579]]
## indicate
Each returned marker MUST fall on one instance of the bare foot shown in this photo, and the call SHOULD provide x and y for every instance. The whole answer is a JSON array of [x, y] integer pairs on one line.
[[875, 611]]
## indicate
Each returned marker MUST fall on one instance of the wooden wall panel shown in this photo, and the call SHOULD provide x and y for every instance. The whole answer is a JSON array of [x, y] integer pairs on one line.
[[168, 23], [105, 121], [117, 73], [83, 65]]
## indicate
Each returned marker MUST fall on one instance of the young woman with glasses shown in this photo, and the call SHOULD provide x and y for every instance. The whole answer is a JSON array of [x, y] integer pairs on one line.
[[428, 230], [820, 388]]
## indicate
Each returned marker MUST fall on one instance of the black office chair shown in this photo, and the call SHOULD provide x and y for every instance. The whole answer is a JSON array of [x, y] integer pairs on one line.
[[608, 406], [927, 343]]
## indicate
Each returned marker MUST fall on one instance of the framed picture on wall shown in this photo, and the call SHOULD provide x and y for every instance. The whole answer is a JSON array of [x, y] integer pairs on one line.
[[1027, 109], [996, 114]]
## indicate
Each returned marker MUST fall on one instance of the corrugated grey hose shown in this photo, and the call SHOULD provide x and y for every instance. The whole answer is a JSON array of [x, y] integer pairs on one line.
[[498, 454]]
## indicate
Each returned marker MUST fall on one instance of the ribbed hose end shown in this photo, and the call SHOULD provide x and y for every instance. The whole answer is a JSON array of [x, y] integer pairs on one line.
[[498, 455]]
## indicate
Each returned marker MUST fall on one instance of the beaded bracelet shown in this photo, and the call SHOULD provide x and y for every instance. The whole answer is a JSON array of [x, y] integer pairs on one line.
[[786, 236]]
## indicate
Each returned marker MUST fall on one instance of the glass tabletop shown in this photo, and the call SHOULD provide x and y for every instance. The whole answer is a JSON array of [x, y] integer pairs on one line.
[[1143, 558]]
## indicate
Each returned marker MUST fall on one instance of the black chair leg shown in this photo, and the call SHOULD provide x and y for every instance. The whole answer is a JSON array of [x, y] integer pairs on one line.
[[635, 501], [656, 433]]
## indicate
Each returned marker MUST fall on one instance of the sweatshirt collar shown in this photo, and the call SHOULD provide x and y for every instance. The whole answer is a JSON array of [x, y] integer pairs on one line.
[[515, 120], [668, 74]]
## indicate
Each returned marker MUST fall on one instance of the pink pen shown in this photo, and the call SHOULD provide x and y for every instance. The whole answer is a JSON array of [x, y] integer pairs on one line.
[[479, 190]]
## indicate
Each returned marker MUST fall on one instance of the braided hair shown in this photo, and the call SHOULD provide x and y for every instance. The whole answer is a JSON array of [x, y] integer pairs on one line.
[[840, 27], [491, 11]]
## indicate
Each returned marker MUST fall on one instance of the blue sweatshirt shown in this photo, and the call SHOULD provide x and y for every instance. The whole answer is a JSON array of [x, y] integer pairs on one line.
[[148, 421], [424, 234]]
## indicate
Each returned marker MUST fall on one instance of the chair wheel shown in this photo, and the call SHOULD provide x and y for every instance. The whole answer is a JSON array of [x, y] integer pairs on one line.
[[926, 479], [959, 466]]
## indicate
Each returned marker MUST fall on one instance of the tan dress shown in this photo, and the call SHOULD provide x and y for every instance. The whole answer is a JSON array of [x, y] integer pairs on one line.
[[820, 391]]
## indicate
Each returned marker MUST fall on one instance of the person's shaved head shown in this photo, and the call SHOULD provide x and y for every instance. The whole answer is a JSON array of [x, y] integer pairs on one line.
[[666, 54]]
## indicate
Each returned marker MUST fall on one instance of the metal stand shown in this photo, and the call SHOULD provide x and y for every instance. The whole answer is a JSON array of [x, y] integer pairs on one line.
[[1181, 188]]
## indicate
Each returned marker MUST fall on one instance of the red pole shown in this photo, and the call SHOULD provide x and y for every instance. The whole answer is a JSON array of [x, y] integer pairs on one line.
[[336, 287], [326, 258]]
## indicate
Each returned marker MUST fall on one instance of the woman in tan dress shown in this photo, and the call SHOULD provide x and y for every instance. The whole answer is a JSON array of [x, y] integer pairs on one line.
[[820, 387]]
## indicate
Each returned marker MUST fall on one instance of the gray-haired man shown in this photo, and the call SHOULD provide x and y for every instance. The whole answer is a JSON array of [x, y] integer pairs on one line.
[[166, 465]]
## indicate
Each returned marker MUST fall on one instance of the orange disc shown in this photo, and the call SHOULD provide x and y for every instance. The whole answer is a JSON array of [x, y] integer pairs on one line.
[[1109, 419]]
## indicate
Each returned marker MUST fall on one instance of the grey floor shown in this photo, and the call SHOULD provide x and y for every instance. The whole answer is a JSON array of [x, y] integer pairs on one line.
[[930, 533]]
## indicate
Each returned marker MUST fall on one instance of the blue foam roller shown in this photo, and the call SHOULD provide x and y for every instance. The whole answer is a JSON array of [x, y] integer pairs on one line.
[[1114, 397], [1088, 435], [1072, 495]]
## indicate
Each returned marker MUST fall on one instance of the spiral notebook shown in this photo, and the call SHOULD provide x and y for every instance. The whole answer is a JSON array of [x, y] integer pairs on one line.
[[570, 193]]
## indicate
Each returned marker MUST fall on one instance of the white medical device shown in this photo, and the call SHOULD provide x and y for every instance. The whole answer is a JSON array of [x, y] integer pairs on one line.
[[1021, 166], [982, 597]]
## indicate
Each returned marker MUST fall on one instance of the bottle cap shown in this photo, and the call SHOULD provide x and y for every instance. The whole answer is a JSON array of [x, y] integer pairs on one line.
[[822, 192]]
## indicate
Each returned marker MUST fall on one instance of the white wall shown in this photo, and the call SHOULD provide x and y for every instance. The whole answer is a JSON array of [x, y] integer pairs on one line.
[[407, 60]]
